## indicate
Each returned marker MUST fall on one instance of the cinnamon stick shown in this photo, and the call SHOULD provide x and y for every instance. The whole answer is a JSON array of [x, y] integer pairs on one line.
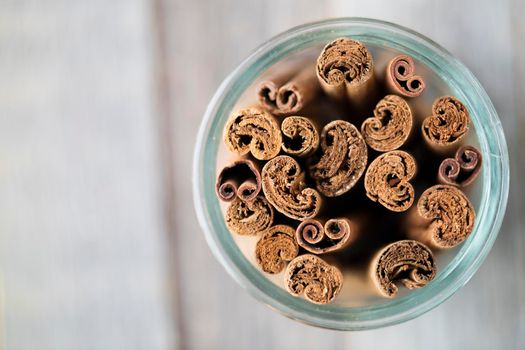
[[253, 130], [345, 68], [284, 185], [268, 90], [463, 169], [320, 236], [301, 138], [447, 217], [275, 248], [312, 277], [390, 126], [249, 218], [409, 262], [448, 124], [387, 180], [282, 95], [240, 179], [284, 130], [401, 77], [343, 160]]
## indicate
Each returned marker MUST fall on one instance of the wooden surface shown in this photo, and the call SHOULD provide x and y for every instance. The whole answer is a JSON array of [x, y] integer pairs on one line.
[[99, 106]]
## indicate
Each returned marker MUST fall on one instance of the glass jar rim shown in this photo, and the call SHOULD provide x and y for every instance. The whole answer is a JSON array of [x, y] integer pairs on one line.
[[495, 174]]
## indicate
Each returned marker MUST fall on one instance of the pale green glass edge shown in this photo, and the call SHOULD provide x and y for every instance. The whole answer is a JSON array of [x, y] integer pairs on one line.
[[495, 175]]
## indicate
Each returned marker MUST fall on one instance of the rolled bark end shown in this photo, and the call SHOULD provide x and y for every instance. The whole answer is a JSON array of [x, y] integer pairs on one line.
[[448, 124], [313, 278], [449, 170], [253, 130], [401, 77], [344, 67], [227, 191], [343, 161], [249, 218], [297, 93], [469, 157], [387, 180], [408, 262], [301, 138], [449, 213], [267, 95], [290, 91], [240, 179], [319, 238], [463, 169], [284, 186], [275, 248], [391, 125]]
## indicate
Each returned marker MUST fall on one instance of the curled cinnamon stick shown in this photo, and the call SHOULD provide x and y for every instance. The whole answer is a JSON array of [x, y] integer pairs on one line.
[[268, 90], [249, 218], [401, 78], [449, 214], [284, 186], [448, 124], [253, 130], [240, 179], [463, 169], [409, 262], [343, 160], [312, 277], [390, 126], [292, 95], [301, 138], [387, 180], [346, 67], [320, 237], [275, 248]]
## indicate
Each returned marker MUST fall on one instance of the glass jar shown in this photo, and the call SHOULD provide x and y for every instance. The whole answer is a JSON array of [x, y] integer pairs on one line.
[[493, 189]]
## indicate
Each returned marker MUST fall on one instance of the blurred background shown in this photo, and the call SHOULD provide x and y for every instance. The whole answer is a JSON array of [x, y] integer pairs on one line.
[[100, 102]]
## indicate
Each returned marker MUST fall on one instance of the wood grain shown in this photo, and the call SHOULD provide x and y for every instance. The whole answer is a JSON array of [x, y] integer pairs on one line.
[[82, 256], [99, 107]]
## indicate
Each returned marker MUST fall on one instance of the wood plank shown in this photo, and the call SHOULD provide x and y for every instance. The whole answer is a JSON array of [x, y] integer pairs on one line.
[[514, 251], [81, 230], [208, 40]]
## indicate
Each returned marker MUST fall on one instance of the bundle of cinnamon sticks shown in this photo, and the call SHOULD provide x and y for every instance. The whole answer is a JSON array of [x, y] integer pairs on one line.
[[309, 187]]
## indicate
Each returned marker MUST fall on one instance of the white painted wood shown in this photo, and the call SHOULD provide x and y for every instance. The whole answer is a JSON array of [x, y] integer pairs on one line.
[[82, 259]]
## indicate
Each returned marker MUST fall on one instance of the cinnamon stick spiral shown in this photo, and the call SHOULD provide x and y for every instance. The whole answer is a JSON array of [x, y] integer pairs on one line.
[[275, 248], [301, 138], [249, 218], [401, 78], [317, 238], [409, 262], [284, 95], [387, 180], [284, 186], [390, 126], [345, 67], [448, 124], [343, 160], [240, 179], [253, 130], [463, 169], [312, 277], [450, 214]]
